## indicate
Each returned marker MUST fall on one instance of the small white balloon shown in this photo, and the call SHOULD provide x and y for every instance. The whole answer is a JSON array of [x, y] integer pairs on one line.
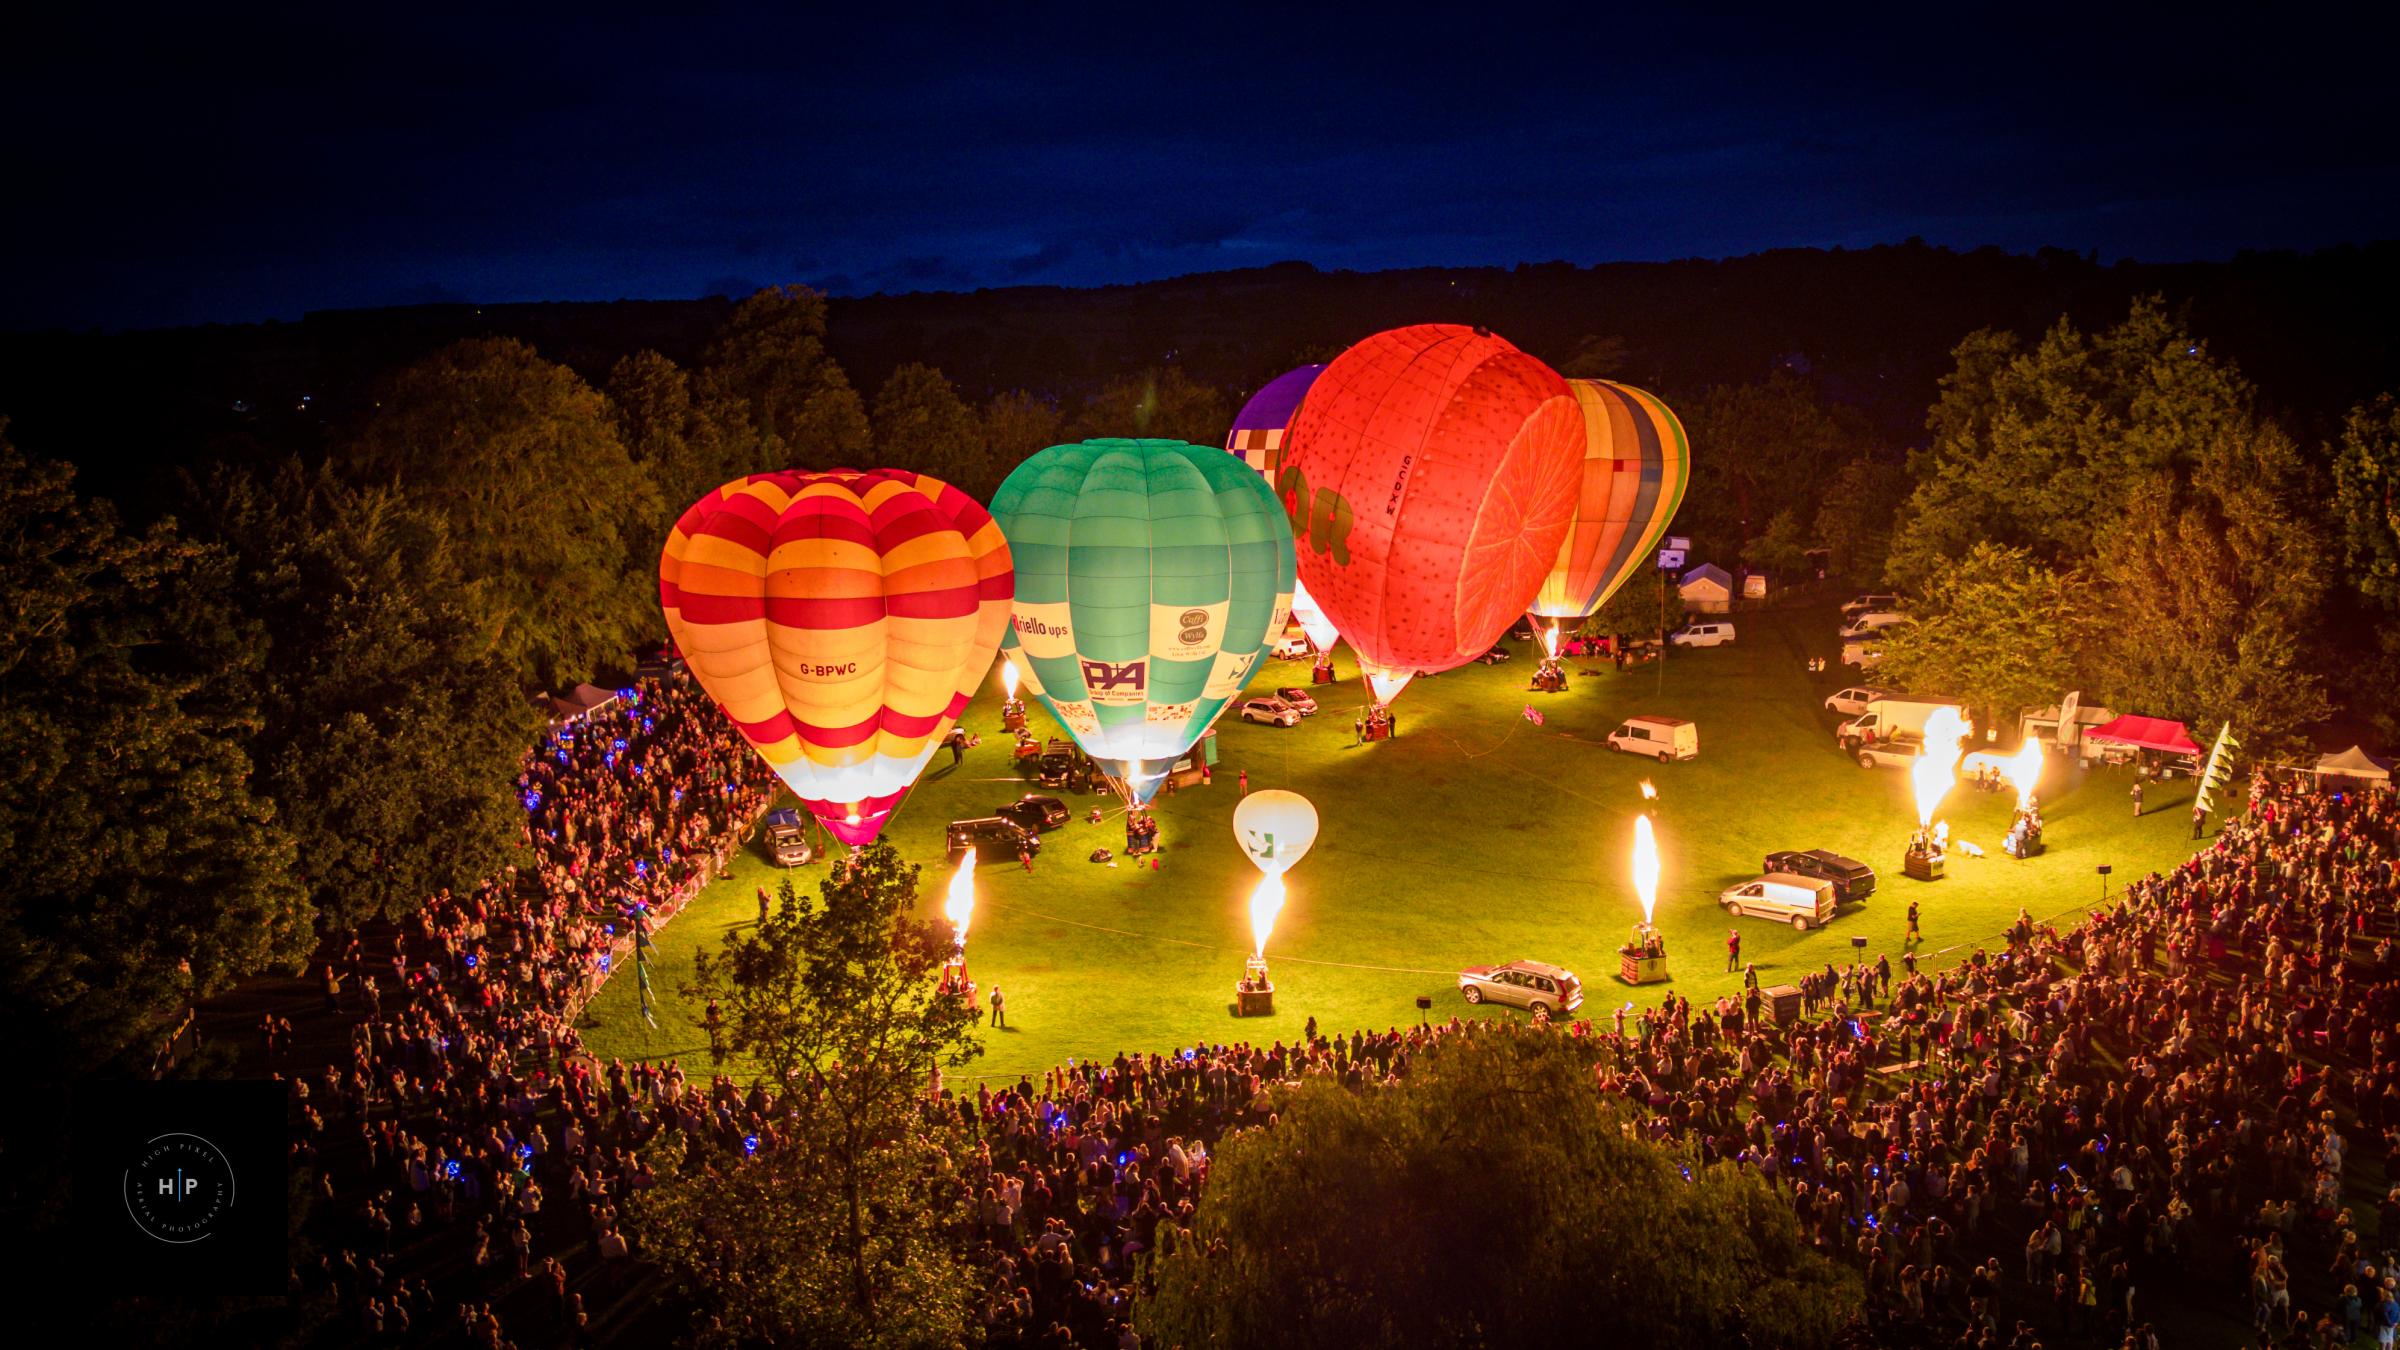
[[1275, 828]]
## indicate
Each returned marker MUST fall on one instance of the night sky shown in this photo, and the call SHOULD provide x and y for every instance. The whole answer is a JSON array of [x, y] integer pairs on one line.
[[194, 166]]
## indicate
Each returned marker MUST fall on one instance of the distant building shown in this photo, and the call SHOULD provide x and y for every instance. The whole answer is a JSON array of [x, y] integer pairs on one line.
[[1707, 589]]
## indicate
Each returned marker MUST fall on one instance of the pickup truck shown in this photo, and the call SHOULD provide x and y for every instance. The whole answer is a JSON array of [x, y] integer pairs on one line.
[[1897, 753]]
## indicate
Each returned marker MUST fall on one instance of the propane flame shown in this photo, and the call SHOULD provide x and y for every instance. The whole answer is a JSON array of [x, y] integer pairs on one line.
[[2023, 770], [1550, 641], [1645, 866], [1387, 684], [852, 818], [1008, 679], [1649, 793], [1936, 771], [959, 908], [1265, 904]]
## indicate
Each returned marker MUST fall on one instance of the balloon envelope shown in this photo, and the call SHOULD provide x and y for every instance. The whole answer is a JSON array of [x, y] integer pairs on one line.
[[1151, 575], [843, 621], [1636, 464], [1275, 828], [1431, 475], [1257, 436]]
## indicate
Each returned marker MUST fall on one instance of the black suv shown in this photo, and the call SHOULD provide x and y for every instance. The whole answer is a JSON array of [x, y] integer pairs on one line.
[[1034, 812], [1852, 879], [993, 839]]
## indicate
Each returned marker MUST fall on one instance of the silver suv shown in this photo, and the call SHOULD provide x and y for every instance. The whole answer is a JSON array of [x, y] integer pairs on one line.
[[1524, 984]]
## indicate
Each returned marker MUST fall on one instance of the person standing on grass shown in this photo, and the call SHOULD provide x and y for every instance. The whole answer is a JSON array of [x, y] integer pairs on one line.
[[1245, 782], [1915, 936], [2137, 799], [762, 906], [999, 1009], [1733, 950]]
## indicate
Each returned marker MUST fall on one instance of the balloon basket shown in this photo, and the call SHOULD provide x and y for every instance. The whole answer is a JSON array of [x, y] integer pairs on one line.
[[1636, 968], [1012, 715], [1255, 995], [955, 981], [1922, 864]]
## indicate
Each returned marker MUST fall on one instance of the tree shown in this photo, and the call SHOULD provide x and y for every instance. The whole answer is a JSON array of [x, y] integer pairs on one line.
[[771, 376], [389, 734], [1783, 549], [2366, 486], [1493, 1164], [1162, 404], [2209, 608], [1758, 449], [1016, 426], [1854, 520], [672, 437], [922, 424], [1998, 631], [835, 1000], [2041, 448], [522, 462], [1596, 357], [143, 869], [1643, 606]]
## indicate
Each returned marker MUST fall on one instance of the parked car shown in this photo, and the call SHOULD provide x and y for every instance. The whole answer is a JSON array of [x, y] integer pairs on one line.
[[786, 838], [1272, 711], [1852, 701], [1034, 812], [1863, 604], [1900, 752], [1494, 657], [1531, 985], [992, 837], [1852, 880], [1661, 738], [1803, 902], [1299, 699], [1864, 655], [1292, 649], [1872, 622], [1703, 633]]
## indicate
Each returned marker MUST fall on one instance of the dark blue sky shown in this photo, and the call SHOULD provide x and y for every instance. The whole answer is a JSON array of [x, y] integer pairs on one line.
[[192, 165]]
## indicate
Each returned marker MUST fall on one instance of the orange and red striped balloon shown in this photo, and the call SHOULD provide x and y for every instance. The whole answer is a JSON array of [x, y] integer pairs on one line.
[[843, 620]]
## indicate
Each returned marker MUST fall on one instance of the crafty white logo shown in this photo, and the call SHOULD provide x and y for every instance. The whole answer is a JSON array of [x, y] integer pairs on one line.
[[180, 1189]]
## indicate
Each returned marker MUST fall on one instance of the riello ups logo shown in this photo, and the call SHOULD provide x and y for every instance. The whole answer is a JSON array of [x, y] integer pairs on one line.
[[179, 1189]]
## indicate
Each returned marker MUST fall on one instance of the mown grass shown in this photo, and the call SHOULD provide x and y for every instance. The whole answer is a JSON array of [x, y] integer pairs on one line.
[[1473, 837]]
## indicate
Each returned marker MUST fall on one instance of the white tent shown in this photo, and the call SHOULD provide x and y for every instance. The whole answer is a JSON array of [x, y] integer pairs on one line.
[[1707, 589], [2355, 764]]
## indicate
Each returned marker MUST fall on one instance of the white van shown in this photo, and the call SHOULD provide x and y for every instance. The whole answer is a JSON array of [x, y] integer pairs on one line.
[[1864, 655], [1710, 633], [1661, 738], [1786, 897], [1862, 604], [1873, 622], [1852, 701]]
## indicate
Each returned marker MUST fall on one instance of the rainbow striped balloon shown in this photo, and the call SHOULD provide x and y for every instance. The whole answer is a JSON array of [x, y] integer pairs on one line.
[[843, 621], [1635, 466]]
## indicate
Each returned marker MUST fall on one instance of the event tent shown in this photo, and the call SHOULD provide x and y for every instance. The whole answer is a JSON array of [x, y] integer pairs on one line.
[[2146, 733], [1707, 589], [2354, 763]]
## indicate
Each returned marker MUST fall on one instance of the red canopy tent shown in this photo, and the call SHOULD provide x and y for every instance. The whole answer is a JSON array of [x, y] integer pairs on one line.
[[2146, 733]]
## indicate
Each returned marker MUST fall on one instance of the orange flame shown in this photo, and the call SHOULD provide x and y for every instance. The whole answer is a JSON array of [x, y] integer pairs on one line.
[[1649, 793], [1550, 641], [1008, 679], [959, 907], [1645, 866], [1265, 904], [1936, 771], [1387, 684]]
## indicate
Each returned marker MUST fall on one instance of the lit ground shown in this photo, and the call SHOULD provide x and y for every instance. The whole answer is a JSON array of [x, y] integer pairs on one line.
[[1473, 837]]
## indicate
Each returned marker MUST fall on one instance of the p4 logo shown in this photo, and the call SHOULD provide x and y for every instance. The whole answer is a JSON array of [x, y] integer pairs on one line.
[[1108, 677]]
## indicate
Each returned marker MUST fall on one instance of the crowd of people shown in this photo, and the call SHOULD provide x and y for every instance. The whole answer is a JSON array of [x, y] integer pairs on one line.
[[466, 1162], [2040, 1145]]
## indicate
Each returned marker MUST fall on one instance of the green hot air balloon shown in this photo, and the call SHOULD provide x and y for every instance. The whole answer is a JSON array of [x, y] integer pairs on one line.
[[1151, 575]]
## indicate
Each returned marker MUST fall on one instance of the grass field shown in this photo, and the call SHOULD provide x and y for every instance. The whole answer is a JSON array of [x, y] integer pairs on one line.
[[1472, 837]]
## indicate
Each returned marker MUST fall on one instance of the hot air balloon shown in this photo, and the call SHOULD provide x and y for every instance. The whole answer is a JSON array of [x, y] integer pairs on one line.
[[1275, 828], [843, 621], [1431, 476], [1635, 467], [1257, 436], [1151, 575]]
